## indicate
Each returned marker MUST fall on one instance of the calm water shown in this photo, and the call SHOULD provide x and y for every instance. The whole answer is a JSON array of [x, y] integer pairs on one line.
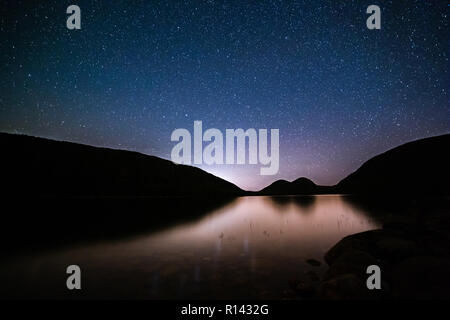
[[249, 248]]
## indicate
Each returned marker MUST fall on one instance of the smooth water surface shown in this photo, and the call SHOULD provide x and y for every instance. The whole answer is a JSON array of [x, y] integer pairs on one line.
[[249, 248]]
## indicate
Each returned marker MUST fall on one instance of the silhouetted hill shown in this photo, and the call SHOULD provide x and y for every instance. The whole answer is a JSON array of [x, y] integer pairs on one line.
[[420, 166], [300, 186], [43, 167]]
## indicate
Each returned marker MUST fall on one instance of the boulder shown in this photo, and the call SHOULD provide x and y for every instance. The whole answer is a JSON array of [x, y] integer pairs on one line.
[[351, 261], [313, 262], [422, 277], [394, 249], [313, 276], [344, 286], [348, 243]]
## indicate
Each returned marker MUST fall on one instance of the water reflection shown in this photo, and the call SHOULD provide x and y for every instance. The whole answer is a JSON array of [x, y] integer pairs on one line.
[[248, 248], [304, 202]]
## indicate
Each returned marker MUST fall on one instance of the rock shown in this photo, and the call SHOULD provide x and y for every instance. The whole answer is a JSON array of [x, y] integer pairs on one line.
[[345, 286], [401, 227], [385, 286], [352, 261], [313, 262], [346, 244], [312, 276], [293, 283], [422, 277], [396, 249], [362, 241], [288, 295], [264, 294], [437, 244], [414, 260], [306, 289]]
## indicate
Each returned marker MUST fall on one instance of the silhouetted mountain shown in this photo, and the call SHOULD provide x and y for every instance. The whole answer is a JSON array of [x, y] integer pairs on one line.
[[299, 186], [40, 166], [43, 167], [420, 166]]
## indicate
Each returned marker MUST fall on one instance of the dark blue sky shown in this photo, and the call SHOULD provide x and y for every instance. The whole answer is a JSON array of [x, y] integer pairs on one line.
[[338, 92]]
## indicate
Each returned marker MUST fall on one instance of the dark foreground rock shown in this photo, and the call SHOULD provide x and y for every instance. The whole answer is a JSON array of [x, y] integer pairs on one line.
[[313, 262], [414, 262], [423, 277]]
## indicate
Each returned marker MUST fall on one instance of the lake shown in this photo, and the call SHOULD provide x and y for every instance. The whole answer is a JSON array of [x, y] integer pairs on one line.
[[251, 247]]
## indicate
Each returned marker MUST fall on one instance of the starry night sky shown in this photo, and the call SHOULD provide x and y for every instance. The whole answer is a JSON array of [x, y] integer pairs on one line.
[[137, 70]]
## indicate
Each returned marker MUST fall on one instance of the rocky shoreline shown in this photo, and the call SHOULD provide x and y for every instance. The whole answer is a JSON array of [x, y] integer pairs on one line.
[[414, 258]]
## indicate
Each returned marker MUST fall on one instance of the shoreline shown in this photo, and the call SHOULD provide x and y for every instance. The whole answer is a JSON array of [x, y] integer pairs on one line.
[[412, 252]]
